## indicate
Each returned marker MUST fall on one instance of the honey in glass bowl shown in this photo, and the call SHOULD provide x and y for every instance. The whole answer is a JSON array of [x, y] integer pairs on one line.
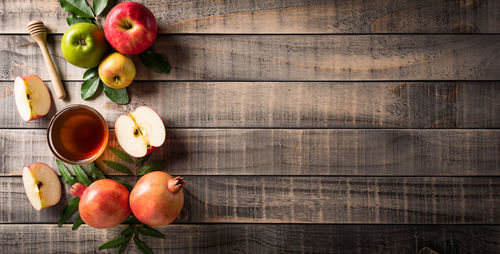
[[77, 134]]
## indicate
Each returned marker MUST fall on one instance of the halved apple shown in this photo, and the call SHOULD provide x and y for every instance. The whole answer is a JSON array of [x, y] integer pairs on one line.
[[42, 185], [32, 97], [140, 132]]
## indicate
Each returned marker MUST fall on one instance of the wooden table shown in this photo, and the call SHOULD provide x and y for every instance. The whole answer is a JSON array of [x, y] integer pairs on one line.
[[299, 126]]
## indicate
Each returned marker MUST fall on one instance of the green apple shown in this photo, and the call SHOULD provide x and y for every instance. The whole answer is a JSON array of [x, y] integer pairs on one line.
[[84, 45], [117, 70]]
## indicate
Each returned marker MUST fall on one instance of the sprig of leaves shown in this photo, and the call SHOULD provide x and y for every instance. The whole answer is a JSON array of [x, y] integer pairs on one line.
[[95, 172], [118, 167], [78, 221], [151, 167], [142, 160], [133, 231], [149, 231], [81, 11], [79, 8], [81, 175], [142, 246], [68, 211], [91, 83], [154, 61], [122, 155], [64, 171], [138, 163]]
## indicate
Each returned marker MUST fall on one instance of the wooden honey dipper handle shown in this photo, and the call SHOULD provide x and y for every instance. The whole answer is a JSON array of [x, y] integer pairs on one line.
[[38, 32], [54, 76]]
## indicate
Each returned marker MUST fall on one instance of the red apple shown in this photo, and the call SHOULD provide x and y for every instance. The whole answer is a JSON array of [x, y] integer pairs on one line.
[[42, 185], [157, 198], [103, 204], [140, 132], [32, 97], [130, 28]]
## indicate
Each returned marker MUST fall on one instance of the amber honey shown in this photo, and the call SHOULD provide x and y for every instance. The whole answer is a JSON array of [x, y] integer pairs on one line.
[[77, 134]]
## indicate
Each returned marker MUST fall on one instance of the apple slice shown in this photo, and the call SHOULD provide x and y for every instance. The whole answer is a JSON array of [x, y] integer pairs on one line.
[[42, 185], [32, 97], [140, 132]]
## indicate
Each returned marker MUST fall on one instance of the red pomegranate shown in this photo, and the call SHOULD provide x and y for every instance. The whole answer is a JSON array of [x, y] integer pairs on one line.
[[103, 204], [157, 198]]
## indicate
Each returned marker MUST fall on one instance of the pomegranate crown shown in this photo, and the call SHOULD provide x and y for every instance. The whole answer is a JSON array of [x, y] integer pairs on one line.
[[176, 184]]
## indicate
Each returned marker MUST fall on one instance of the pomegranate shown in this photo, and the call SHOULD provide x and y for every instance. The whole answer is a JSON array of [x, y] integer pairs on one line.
[[157, 198], [103, 204]]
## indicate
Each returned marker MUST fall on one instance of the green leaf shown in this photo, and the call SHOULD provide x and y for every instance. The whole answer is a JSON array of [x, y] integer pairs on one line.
[[81, 175], [64, 171], [126, 184], [122, 155], [118, 96], [95, 172], [118, 167], [142, 160], [113, 243], [128, 231], [99, 6], [154, 61], [78, 221], [90, 86], [123, 246], [72, 19], [142, 246], [68, 211], [79, 8], [150, 167], [149, 231], [90, 73]]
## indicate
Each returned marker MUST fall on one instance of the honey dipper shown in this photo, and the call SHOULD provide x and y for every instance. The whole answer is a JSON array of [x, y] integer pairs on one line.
[[38, 32]]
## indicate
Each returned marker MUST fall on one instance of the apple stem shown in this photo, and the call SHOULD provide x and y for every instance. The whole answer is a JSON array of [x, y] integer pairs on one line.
[[176, 184], [78, 189]]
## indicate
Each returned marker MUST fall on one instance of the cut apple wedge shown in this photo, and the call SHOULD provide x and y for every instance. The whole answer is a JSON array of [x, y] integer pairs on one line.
[[42, 185], [140, 132], [32, 97]]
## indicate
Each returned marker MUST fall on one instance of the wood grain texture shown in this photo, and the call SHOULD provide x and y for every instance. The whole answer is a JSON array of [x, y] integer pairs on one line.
[[292, 104], [289, 57], [292, 16], [270, 199], [295, 152], [267, 238]]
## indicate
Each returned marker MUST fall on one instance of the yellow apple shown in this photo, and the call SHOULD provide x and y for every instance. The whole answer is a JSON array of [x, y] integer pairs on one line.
[[117, 71]]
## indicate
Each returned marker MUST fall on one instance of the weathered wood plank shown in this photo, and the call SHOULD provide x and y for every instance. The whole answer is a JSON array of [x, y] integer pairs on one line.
[[295, 152], [290, 57], [293, 104], [269, 199], [292, 16], [267, 238]]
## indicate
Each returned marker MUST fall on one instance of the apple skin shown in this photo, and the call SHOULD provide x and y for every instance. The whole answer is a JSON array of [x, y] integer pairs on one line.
[[157, 198], [103, 204], [84, 45], [130, 28], [117, 71], [43, 92]]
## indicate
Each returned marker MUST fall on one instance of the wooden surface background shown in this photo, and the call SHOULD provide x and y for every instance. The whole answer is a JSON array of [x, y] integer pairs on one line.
[[305, 126]]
